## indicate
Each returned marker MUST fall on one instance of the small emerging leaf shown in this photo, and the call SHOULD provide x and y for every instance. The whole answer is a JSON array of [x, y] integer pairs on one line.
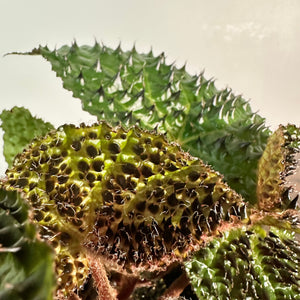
[[276, 167]]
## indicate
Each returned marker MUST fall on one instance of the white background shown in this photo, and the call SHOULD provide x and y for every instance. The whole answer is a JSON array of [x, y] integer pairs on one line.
[[251, 46]]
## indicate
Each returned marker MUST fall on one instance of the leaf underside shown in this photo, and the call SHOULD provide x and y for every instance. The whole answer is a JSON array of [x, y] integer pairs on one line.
[[131, 88]]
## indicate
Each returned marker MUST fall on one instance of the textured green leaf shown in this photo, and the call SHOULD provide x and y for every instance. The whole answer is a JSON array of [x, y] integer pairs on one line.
[[255, 264], [26, 264], [106, 191], [20, 127], [130, 88]]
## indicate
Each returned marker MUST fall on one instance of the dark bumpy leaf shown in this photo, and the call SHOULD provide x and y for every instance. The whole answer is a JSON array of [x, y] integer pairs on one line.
[[20, 127], [26, 264], [253, 264], [129, 196], [277, 175], [130, 88]]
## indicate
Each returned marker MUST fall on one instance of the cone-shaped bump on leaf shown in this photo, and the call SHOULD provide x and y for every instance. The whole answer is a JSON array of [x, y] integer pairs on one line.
[[277, 164], [134, 88], [129, 196], [26, 264], [20, 127], [248, 264]]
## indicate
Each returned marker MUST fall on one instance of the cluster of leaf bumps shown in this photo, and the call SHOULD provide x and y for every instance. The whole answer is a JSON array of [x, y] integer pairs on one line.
[[130, 196]]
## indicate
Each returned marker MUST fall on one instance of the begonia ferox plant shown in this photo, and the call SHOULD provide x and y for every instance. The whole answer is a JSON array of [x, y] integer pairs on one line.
[[179, 191]]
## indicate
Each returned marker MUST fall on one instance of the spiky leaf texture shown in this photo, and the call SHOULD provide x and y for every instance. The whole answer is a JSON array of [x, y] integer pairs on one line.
[[134, 88], [248, 264], [277, 164], [26, 264], [20, 127], [128, 196]]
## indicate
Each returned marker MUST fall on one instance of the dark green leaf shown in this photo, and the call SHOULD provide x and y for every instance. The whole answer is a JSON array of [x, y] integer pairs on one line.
[[254, 264], [26, 264]]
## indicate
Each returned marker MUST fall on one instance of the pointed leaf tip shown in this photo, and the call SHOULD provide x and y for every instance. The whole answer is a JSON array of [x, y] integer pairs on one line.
[[143, 72]]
